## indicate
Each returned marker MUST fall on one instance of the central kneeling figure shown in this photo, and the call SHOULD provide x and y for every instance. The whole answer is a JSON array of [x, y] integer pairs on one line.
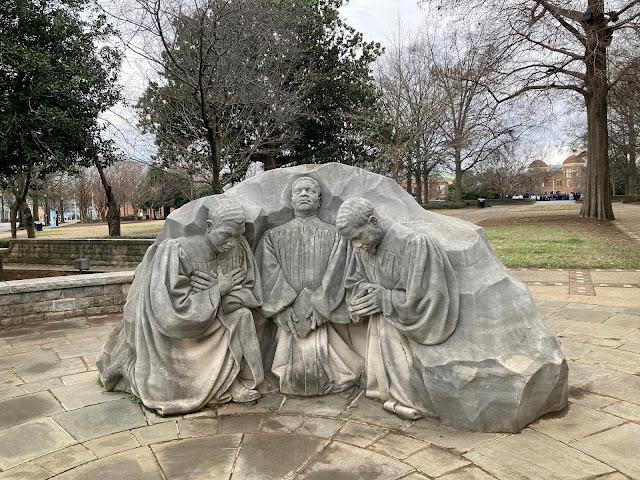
[[302, 266]]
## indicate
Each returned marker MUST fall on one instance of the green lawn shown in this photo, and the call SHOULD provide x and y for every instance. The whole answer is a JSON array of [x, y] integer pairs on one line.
[[550, 207], [602, 246]]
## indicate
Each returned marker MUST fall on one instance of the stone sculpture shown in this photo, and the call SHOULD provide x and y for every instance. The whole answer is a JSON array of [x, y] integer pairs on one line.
[[188, 337], [471, 350], [302, 264], [403, 283]]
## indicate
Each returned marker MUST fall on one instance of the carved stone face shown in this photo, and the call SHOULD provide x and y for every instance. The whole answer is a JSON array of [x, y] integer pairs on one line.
[[305, 198], [366, 237], [224, 237]]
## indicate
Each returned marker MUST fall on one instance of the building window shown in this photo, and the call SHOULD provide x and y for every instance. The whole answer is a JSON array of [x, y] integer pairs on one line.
[[558, 183]]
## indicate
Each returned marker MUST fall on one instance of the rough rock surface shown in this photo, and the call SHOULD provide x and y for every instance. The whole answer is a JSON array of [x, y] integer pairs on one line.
[[500, 369]]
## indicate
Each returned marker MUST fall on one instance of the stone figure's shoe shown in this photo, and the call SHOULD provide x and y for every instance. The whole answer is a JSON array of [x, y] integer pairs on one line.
[[241, 394], [402, 411]]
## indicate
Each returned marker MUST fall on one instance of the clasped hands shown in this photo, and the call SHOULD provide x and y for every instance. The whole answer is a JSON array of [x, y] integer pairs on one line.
[[287, 319], [368, 301], [227, 282]]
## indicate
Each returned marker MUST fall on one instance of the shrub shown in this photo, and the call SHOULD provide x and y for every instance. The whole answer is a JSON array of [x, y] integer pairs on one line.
[[443, 205]]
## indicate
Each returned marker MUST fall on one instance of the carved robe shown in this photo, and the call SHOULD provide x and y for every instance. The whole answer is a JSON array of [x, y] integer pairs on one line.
[[178, 349], [419, 307], [309, 253]]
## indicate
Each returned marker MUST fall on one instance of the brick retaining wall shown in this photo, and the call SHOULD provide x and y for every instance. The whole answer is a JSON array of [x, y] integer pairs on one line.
[[54, 298], [101, 251]]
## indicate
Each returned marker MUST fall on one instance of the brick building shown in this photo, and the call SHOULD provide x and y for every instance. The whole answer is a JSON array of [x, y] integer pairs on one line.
[[565, 178]]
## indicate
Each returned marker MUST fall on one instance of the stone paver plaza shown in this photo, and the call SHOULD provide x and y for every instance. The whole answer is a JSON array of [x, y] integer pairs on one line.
[[56, 421]]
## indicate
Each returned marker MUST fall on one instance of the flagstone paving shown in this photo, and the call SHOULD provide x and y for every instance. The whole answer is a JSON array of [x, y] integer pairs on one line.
[[57, 422]]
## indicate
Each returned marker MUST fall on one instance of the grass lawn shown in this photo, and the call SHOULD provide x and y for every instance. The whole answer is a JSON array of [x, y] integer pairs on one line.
[[550, 207], [133, 229], [583, 245]]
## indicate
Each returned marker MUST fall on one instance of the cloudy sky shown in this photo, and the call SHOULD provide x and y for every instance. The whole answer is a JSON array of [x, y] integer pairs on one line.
[[377, 19]]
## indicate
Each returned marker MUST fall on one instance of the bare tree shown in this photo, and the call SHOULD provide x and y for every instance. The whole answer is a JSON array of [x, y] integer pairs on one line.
[[562, 45], [475, 126], [404, 130], [82, 191], [507, 171], [427, 105], [624, 127], [392, 77]]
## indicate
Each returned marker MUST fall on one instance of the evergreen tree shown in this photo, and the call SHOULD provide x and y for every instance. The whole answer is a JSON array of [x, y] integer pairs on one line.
[[54, 82]]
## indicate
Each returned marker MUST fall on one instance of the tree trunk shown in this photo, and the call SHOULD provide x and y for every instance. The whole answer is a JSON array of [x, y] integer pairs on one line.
[[217, 188], [597, 198], [419, 182], [113, 212], [458, 182], [215, 143], [19, 207], [36, 208], [425, 181], [409, 177], [632, 175], [28, 219], [13, 216], [61, 210]]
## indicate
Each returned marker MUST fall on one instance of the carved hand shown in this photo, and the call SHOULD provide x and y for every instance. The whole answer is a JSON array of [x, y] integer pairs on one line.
[[368, 304], [228, 281], [316, 318], [201, 281], [286, 319]]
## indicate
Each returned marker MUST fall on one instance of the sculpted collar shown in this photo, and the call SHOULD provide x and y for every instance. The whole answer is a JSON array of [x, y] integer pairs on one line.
[[306, 219]]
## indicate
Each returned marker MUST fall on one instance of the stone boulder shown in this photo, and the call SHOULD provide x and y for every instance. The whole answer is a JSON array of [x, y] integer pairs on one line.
[[500, 369]]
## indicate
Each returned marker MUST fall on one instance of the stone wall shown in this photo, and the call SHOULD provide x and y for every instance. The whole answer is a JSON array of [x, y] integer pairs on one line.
[[100, 251], [55, 298]]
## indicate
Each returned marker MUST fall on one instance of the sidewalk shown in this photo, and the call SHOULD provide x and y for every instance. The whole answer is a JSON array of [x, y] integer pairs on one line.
[[55, 420]]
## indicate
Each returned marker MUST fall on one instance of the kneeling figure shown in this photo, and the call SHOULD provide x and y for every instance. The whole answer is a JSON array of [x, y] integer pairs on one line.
[[188, 337]]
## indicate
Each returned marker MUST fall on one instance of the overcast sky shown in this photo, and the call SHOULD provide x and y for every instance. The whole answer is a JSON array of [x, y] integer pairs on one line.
[[377, 19]]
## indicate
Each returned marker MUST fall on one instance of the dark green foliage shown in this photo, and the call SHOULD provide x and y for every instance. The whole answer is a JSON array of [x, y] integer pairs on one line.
[[205, 191], [54, 82], [165, 188], [443, 205], [342, 87]]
